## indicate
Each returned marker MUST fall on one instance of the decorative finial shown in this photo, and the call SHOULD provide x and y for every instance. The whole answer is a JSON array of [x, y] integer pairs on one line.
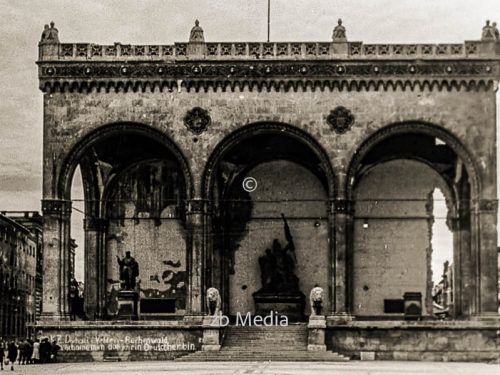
[[196, 35], [50, 34], [339, 32], [490, 32]]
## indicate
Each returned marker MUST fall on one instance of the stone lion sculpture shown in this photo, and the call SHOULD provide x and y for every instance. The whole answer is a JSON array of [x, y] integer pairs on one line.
[[316, 299], [213, 301]]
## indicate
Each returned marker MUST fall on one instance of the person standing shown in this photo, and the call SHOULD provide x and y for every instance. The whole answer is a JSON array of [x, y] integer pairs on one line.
[[21, 349], [45, 350], [12, 354], [29, 351], [36, 352], [73, 298], [55, 349], [2, 353]]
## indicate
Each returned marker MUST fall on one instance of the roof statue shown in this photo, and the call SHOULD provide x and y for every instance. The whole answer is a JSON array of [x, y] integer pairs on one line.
[[50, 34], [490, 32], [196, 35], [339, 32]]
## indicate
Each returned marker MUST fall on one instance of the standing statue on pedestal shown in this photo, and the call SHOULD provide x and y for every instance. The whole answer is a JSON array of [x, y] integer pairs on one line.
[[129, 270]]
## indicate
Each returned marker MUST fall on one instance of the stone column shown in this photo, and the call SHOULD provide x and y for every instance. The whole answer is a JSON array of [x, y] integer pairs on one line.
[[95, 265], [56, 241], [342, 211], [487, 264], [195, 225]]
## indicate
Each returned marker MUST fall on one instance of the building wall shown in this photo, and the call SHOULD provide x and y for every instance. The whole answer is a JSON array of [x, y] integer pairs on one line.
[[70, 116], [392, 234], [417, 341], [18, 250], [469, 115]]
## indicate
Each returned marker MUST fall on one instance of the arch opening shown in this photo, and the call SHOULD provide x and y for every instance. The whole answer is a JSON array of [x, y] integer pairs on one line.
[[411, 192], [135, 189], [248, 228]]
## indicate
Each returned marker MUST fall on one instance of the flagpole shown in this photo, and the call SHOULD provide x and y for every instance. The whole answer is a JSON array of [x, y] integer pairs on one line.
[[268, 20]]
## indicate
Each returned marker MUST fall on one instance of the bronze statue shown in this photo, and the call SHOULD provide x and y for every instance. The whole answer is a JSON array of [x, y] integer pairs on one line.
[[129, 270], [277, 266]]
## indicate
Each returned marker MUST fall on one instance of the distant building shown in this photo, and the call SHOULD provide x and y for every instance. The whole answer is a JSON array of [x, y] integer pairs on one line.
[[21, 264], [443, 292]]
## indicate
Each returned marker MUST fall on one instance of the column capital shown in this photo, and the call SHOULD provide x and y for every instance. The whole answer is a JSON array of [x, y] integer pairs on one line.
[[486, 206], [197, 206], [95, 223], [56, 207], [341, 206]]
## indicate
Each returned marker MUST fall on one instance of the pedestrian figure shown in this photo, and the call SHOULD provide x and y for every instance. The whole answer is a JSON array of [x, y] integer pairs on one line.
[[29, 351], [55, 349], [2, 353], [12, 354], [36, 352], [21, 348], [45, 350]]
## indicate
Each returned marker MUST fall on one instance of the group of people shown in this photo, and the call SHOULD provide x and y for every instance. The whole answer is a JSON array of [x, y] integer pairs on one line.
[[27, 352]]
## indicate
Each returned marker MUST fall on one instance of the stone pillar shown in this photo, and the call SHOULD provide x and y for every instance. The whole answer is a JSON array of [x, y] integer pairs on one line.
[[316, 333], [487, 265], [211, 333], [195, 223], [95, 266], [342, 211], [56, 242]]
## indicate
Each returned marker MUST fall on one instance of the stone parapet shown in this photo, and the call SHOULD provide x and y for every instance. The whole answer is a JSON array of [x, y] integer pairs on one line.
[[270, 51]]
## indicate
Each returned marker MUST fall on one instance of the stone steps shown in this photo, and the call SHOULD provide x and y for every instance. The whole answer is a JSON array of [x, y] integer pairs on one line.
[[260, 344]]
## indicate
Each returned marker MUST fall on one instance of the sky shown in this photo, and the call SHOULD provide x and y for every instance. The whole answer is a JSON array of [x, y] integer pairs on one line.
[[168, 21]]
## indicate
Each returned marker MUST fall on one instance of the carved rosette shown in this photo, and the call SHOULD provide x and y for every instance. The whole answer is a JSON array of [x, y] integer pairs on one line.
[[197, 120], [340, 119]]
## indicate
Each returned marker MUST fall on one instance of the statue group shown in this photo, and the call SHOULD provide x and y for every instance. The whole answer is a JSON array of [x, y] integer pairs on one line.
[[277, 266]]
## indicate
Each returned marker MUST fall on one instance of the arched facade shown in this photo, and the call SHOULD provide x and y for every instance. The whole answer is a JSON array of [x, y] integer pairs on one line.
[[170, 139]]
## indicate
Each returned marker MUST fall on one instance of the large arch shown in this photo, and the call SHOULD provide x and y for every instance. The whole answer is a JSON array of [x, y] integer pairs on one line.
[[463, 184], [100, 220], [414, 127], [267, 127], [74, 156], [320, 170]]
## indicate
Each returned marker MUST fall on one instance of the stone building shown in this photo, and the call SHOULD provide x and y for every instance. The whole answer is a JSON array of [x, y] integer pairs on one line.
[[190, 153], [20, 273]]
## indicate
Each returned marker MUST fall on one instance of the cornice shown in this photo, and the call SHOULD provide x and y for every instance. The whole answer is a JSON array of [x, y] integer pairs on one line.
[[283, 75]]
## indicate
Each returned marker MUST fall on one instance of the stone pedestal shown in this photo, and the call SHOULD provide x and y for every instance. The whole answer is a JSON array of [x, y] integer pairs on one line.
[[211, 334], [292, 305], [316, 333], [127, 305]]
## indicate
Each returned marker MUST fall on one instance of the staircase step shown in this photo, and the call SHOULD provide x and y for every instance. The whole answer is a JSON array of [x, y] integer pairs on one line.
[[273, 343]]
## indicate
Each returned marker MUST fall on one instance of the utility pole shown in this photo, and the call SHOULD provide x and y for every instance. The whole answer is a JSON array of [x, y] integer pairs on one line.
[[268, 20]]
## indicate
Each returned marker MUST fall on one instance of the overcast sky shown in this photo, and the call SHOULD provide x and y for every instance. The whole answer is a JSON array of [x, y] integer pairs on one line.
[[168, 21]]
